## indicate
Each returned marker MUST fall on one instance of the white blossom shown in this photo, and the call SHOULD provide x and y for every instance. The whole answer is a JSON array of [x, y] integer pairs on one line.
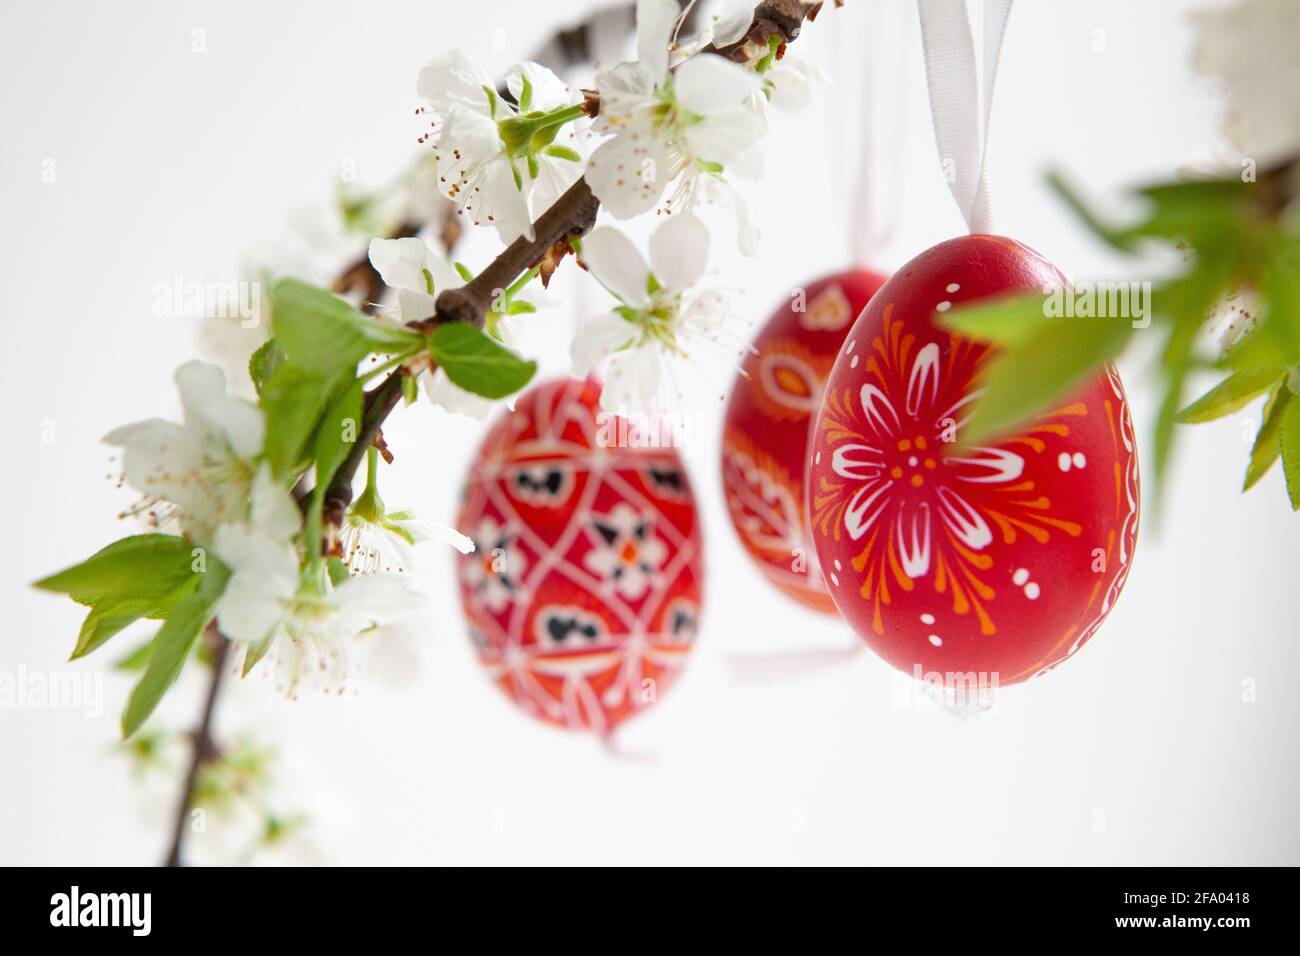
[[658, 320], [307, 634], [689, 125], [491, 155], [198, 472], [386, 541]]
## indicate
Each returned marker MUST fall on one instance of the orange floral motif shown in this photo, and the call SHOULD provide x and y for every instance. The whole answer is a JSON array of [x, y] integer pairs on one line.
[[924, 508]]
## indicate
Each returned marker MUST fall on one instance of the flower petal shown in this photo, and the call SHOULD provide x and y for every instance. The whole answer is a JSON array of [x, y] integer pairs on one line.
[[733, 24], [454, 79], [726, 136], [632, 381], [748, 231], [616, 264], [401, 262], [432, 531], [203, 396], [679, 251], [415, 306], [367, 599], [655, 21], [273, 510], [451, 397], [628, 172], [549, 91], [597, 338], [709, 84]]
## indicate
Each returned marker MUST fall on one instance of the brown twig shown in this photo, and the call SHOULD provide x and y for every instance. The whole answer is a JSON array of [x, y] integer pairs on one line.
[[202, 747]]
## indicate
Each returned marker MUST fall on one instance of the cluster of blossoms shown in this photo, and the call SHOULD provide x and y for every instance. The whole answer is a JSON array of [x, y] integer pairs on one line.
[[677, 123], [206, 477], [674, 126]]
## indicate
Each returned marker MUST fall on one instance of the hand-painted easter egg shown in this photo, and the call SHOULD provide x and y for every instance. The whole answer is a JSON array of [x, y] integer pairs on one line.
[[584, 588], [1000, 560], [768, 422]]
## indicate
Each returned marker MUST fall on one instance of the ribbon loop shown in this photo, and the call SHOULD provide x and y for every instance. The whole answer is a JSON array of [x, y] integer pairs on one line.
[[960, 104]]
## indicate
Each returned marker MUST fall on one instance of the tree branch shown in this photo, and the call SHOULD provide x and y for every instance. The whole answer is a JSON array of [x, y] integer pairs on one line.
[[573, 214], [203, 748]]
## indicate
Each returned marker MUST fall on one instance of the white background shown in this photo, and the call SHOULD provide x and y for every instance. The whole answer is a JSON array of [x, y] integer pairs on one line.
[[1139, 750]]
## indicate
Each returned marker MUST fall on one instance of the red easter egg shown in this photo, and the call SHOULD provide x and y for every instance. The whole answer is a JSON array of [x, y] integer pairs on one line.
[[1000, 560], [768, 421], [584, 588]]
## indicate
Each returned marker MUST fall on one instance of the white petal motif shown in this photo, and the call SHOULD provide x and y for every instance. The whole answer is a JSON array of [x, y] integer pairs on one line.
[[881, 416], [914, 540], [857, 462], [923, 383], [865, 507], [963, 520]]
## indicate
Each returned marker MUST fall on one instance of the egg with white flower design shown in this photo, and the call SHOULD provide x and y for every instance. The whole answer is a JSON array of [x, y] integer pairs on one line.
[[584, 588], [998, 560]]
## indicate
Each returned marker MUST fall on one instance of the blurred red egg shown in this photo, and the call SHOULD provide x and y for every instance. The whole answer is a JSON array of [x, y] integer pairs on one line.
[[768, 422], [1001, 560], [584, 590]]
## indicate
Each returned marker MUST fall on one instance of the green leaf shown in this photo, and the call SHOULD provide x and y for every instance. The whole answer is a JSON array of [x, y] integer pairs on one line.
[[1268, 443], [477, 362], [144, 566], [1281, 288], [1010, 321], [109, 616], [1194, 210], [294, 401], [1290, 429], [337, 433], [410, 389], [1234, 392], [172, 645], [263, 363], [137, 660], [322, 334], [1024, 381], [1114, 237]]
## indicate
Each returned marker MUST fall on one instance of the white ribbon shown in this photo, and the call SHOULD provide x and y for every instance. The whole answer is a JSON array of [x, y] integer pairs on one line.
[[960, 112]]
